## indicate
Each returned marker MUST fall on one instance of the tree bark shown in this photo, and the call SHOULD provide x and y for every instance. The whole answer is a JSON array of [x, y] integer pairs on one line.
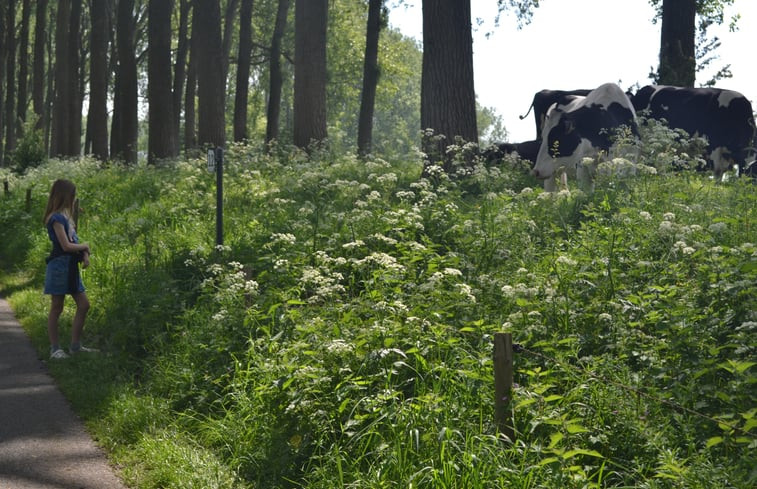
[[161, 142], [97, 120], [311, 20], [3, 53], [210, 74], [243, 71], [125, 111], [275, 78], [10, 87], [677, 43], [75, 92], [60, 128], [23, 68], [190, 119], [370, 78], [38, 68], [180, 67], [228, 31], [448, 99]]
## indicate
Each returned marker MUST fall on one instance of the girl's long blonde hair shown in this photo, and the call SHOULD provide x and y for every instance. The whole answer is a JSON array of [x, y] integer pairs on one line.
[[61, 199]]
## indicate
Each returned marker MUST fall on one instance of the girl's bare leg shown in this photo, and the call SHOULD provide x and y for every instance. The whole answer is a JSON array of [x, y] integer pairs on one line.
[[56, 308], [77, 325]]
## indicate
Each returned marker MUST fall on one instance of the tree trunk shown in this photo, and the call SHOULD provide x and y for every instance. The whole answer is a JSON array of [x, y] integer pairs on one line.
[[38, 68], [311, 20], [677, 43], [23, 68], [97, 120], [448, 98], [190, 119], [243, 71], [61, 131], [161, 141], [275, 79], [75, 95], [10, 87], [370, 78], [3, 53], [180, 67], [228, 34], [126, 84], [210, 74]]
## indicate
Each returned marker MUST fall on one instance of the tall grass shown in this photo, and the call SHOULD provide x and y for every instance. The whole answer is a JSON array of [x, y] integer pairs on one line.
[[343, 336]]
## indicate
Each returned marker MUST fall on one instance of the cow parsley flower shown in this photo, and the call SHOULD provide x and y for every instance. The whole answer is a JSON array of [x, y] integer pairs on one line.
[[564, 260], [645, 216], [717, 227]]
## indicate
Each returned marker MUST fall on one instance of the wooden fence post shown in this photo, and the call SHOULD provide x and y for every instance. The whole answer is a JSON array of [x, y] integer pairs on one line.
[[503, 384]]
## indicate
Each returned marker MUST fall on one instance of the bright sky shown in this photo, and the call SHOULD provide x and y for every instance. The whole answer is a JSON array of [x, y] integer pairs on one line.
[[579, 44]]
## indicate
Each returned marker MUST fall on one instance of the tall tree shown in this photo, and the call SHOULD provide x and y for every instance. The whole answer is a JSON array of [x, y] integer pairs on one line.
[[97, 120], [677, 43], [275, 79], [125, 122], [210, 73], [228, 34], [685, 47], [243, 71], [75, 87], [161, 135], [370, 76], [61, 131], [10, 87], [190, 119], [448, 99], [180, 66], [23, 68], [3, 53], [311, 21], [38, 67]]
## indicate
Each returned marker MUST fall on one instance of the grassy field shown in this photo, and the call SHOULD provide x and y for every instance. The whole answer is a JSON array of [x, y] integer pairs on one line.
[[343, 335]]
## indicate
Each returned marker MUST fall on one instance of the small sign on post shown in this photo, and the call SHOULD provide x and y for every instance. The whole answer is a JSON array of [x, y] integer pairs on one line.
[[215, 165], [211, 160]]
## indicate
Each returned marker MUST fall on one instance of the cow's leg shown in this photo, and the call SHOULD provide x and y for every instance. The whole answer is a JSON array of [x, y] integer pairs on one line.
[[721, 161]]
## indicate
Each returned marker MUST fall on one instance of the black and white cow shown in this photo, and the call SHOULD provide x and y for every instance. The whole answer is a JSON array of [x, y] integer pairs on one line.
[[544, 99], [724, 117], [583, 127], [527, 150]]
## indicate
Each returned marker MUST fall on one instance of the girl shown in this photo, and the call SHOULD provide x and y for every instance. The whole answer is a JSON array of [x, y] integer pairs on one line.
[[62, 274]]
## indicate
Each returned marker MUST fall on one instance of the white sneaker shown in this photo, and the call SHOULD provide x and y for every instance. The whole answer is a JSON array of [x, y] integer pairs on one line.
[[84, 349], [59, 354]]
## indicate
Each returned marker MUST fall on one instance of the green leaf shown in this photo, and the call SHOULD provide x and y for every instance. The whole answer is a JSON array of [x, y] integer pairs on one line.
[[715, 440], [575, 428], [580, 451], [554, 439]]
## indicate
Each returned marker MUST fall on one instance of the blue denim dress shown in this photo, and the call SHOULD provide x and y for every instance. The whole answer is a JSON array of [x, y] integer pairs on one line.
[[62, 274]]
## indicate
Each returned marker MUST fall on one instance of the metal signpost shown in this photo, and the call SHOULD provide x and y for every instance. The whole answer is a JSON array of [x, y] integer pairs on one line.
[[215, 163]]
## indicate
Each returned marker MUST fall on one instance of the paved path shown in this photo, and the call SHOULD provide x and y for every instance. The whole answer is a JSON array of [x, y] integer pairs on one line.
[[43, 445]]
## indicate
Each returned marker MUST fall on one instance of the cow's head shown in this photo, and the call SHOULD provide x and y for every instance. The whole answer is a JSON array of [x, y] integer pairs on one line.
[[562, 145]]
